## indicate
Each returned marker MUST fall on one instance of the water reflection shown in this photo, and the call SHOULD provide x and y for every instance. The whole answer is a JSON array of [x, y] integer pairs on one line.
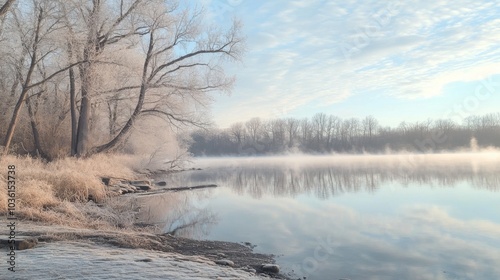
[[336, 178], [354, 219], [177, 213]]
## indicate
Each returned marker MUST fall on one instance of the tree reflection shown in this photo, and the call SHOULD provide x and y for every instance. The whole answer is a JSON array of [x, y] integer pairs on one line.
[[324, 181]]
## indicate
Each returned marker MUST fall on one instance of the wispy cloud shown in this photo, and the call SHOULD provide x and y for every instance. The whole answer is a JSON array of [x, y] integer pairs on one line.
[[324, 52], [421, 242]]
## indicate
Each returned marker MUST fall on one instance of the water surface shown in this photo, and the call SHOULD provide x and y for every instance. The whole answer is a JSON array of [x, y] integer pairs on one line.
[[354, 217]]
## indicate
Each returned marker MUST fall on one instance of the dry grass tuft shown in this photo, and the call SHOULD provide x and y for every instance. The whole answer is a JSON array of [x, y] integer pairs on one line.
[[98, 165], [76, 187], [59, 192], [36, 194]]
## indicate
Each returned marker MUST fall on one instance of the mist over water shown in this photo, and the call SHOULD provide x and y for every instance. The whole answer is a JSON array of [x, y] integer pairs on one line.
[[404, 216], [404, 160], [334, 174]]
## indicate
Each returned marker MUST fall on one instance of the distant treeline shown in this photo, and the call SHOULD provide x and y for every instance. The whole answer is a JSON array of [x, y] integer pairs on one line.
[[328, 133]]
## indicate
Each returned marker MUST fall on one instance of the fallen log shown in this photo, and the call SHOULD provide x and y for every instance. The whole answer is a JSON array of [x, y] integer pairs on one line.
[[178, 189], [192, 188]]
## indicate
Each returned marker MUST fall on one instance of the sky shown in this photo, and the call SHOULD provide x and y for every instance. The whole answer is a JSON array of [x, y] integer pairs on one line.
[[395, 60]]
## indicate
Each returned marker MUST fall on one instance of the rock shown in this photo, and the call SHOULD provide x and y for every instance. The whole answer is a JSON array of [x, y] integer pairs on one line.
[[249, 245], [273, 268], [22, 242], [143, 187], [132, 189], [221, 255], [119, 188], [249, 269], [27, 243], [161, 184], [144, 260], [224, 262], [109, 181], [126, 188], [105, 180], [140, 182]]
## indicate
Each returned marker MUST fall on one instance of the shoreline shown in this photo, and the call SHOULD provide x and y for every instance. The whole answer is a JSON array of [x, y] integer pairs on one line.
[[221, 254], [214, 253], [91, 203]]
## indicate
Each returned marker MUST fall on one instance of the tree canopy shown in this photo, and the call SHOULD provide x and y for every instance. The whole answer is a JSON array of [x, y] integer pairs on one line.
[[78, 76]]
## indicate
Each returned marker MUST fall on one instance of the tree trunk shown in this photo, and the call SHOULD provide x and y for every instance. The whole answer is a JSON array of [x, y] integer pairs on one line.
[[74, 121], [13, 121], [25, 88], [113, 116], [82, 136], [36, 134], [86, 71]]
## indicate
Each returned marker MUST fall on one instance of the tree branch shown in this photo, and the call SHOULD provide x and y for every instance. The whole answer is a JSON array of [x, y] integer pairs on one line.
[[5, 8], [180, 67], [104, 39], [55, 74], [171, 117], [196, 53]]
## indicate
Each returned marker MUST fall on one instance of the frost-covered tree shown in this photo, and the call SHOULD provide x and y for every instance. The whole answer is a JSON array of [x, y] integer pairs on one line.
[[181, 65], [104, 66]]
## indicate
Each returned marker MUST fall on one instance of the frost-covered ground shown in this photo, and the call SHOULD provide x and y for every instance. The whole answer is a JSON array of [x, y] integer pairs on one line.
[[77, 260]]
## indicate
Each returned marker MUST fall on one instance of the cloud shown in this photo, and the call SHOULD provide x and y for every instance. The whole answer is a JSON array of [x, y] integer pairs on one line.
[[301, 53], [420, 242]]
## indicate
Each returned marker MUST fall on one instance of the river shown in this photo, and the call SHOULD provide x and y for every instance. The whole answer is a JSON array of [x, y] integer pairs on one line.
[[347, 216]]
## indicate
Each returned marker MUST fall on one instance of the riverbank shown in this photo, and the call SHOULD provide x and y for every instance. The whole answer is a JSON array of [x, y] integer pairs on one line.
[[75, 216], [110, 254]]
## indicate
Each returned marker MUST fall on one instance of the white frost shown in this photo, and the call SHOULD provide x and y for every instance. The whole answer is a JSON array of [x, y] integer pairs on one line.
[[73, 260]]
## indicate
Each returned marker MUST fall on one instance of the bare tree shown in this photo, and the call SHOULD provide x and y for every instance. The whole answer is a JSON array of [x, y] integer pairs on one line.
[[292, 128], [370, 125], [305, 128], [171, 75], [319, 122], [254, 127], [278, 132], [238, 132], [102, 30], [332, 130], [351, 135], [171, 78], [36, 49]]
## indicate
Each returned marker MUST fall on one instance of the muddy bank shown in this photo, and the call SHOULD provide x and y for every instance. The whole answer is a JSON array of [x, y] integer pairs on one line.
[[219, 251]]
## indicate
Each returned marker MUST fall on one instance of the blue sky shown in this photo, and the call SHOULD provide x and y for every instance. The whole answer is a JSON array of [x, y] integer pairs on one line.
[[396, 60]]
